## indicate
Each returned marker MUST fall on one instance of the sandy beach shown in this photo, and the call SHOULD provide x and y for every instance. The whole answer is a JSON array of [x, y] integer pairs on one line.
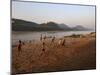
[[79, 53]]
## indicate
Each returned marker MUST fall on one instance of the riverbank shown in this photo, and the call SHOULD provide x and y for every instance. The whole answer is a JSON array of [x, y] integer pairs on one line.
[[78, 53]]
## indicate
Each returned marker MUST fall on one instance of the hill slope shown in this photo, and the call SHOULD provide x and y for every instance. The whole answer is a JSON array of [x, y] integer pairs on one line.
[[22, 25]]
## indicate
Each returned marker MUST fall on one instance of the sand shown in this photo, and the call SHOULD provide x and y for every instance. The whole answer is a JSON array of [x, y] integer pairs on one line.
[[77, 54]]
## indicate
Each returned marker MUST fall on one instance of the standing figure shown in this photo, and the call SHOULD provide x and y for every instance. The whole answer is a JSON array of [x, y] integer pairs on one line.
[[53, 39], [20, 46], [44, 37], [41, 38], [60, 42], [63, 42], [43, 46]]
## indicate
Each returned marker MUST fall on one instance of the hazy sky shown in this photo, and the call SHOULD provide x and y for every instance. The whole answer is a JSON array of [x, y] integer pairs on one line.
[[43, 12]]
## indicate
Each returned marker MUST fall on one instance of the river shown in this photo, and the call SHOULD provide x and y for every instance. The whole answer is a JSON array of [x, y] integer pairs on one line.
[[25, 36]]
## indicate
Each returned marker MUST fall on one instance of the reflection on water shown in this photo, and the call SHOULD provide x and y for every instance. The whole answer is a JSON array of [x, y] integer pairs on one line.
[[36, 35]]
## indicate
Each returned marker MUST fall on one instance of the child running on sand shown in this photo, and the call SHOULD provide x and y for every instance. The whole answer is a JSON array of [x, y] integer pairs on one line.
[[20, 46], [43, 46], [41, 38], [53, 39], [63, 42], [59, 42]]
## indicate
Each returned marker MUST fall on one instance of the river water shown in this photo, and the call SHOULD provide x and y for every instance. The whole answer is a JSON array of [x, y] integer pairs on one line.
[[25, 36]]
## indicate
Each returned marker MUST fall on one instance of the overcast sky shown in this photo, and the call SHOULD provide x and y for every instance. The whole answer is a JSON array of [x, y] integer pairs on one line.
[[71, 15]]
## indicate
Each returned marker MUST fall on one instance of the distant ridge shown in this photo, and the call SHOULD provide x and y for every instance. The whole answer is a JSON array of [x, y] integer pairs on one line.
[[22, 25], [65, 27], [79, 27]]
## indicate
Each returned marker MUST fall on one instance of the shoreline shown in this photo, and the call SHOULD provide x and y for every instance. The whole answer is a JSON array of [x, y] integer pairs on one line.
[[45, 34], [77, 54]]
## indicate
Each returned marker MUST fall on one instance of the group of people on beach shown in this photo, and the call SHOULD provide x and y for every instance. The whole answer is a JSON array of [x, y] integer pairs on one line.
[[61, 42]]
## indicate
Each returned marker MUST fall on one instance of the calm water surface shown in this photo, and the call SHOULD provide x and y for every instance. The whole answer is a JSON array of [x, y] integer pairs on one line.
[[25, 36]]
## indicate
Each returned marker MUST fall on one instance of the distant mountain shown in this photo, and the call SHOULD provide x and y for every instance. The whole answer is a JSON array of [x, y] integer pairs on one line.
[[51, 25], [79, 27], [22, 22], [22, 25], [64, 26]]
